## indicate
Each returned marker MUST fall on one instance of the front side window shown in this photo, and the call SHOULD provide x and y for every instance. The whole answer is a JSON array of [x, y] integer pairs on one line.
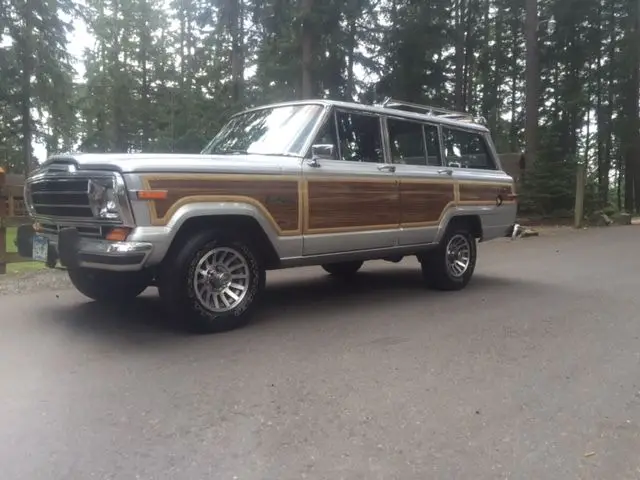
[[268, 131], [466, 150], [360, 137], [327, 136], [407, 142]]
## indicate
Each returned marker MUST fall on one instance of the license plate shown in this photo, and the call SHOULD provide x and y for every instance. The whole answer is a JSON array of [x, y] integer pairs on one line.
[[40, 248]]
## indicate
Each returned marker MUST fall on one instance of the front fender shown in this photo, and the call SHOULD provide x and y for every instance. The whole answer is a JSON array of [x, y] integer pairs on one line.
[[163, 236]]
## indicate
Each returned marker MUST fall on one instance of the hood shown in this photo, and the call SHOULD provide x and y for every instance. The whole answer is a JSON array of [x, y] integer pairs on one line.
[[162, 162]]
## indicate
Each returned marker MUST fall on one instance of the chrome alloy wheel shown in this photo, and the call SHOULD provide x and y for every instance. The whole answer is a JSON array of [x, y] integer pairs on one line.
[[458, 255], [221, 279]]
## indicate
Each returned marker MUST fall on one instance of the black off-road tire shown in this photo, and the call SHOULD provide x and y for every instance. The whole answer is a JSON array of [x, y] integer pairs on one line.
[[343, 269], [109, 287], [435, 269], [176, 283]]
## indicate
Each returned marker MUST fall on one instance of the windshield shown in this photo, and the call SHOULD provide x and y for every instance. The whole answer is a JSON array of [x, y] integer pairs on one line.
[[268, 131]]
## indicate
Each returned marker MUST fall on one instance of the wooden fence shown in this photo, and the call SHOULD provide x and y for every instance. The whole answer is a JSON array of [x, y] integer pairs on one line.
[[12, 214]]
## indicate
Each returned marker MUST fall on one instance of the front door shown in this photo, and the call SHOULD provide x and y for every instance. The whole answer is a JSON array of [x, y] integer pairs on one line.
[[352, 199]]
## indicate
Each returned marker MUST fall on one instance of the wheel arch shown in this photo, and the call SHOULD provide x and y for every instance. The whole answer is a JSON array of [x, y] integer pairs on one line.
[[245, 223], [471, 221]]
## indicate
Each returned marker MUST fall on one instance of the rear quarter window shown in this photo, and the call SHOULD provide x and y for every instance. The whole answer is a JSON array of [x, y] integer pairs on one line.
[[466, 149]]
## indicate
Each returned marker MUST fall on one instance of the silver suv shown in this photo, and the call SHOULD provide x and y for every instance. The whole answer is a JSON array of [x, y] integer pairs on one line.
[[292, 184]]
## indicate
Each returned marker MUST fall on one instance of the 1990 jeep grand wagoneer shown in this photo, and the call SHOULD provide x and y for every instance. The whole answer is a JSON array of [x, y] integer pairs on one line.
[[299, 183]]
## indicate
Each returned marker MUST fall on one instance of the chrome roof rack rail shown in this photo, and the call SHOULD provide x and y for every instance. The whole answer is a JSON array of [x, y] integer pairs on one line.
[[432, 111]]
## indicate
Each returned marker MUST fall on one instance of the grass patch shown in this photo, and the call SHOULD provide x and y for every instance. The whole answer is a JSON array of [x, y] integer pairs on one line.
[[11, 237], [19, 267], [24, 267]]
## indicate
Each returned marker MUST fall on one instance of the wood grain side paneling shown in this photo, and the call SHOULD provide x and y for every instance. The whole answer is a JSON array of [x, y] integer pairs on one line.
[[277, 197], [349, 205], [423, 203], [483, 193]]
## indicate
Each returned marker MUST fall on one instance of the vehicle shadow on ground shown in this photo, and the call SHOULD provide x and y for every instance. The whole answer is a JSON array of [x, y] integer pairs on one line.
[[288, 300], [370, 291]]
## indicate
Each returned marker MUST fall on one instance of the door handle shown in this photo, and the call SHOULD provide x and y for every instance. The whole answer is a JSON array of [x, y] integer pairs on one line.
[[445, 171], [387, 168]]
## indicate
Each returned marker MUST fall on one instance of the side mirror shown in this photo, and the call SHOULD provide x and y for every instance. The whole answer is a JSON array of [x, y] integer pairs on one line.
[[323, 150]]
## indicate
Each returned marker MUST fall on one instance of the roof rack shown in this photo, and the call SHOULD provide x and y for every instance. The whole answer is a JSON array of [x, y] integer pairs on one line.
[[432, 111]]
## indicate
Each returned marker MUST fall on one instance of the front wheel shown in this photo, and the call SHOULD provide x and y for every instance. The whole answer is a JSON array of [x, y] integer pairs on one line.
[[450, 266], [109, 287], [213, 282]]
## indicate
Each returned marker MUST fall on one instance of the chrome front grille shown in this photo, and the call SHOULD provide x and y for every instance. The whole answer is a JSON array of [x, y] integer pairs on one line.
[[90, 231], [61, 197], [62, 194]]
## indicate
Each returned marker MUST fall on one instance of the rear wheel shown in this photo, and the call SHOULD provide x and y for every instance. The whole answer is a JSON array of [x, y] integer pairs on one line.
[[109, 287], [451, 265], [213, 282], [343, 269]]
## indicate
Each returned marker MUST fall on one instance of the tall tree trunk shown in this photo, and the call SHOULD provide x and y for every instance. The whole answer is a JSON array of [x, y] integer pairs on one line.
[[600, 115], [236, 15], [469, 43], [27, 65], [120, 140], [496, 103], [532, 79], [351, 49], [634, 147], [631, 140], [182, 12], [587, 141], [145, 42], [460, 55], [489, 85], [608, 136], [307, 49], [515, 28]]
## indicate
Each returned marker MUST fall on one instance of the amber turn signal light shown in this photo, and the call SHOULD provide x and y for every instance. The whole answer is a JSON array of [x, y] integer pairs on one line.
[[152, 194], [118, 234]]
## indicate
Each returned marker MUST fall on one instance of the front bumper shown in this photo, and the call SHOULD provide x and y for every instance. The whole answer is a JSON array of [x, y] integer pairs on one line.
[[75, 251]]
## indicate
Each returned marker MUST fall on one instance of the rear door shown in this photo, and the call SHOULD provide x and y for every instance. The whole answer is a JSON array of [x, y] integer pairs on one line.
[[426, 188]]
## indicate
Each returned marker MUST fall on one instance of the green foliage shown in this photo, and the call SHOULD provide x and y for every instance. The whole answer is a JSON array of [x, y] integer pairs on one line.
[[164, 77], [36, 75]]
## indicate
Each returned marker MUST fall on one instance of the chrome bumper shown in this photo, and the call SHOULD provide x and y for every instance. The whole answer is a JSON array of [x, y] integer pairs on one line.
[[75, 251]]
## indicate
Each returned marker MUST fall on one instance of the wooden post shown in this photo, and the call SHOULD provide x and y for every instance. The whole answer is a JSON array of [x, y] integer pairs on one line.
[[3, 229], [12, 205], [581, 180]]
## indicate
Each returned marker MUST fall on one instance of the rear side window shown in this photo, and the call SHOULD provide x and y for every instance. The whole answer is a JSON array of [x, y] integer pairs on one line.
[[407, 142], [465, 149]]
